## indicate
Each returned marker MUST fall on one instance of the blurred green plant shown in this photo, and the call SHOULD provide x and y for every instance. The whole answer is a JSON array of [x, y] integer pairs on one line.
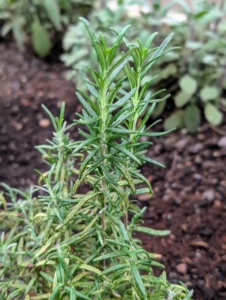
[[79, 53], [198, 74], [195, 75], [68, 245], [42, 20]]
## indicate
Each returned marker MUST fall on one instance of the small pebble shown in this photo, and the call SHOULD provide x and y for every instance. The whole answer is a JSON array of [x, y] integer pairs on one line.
[[182, 268], [209, 195], [44, 122], [222, 142], [217, 203]]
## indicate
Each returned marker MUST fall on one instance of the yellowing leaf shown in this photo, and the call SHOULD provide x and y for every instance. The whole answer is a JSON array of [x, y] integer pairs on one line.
[[3, 201]]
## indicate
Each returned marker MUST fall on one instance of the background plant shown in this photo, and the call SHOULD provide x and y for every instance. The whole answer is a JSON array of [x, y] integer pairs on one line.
[[195, 75], [68, 245], [42, 20]]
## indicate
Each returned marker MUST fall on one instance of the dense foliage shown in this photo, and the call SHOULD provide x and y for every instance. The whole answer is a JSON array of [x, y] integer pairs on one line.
[[42, 20], [65, 244], [195, 75]]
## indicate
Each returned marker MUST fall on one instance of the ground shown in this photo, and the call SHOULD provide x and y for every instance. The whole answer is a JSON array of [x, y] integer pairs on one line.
[[190, 194]]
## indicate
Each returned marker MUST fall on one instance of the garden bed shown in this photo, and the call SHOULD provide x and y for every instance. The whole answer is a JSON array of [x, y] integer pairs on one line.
[[189, 194]]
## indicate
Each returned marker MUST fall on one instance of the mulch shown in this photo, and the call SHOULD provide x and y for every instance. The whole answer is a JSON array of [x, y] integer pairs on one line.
[[189, 195]]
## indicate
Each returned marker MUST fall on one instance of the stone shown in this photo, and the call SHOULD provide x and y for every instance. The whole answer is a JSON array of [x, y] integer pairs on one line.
[[209, 195], [44, 122], [182, 268], [222, 142]]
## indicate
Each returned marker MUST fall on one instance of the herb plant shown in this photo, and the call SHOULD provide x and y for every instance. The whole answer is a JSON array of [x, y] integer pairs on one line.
[[195, 75], [64, 244], [42, 20]]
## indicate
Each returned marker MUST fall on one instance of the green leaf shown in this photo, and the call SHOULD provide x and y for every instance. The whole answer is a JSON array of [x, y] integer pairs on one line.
[[86, 161], [18, 31], [175, 120], [86, 105], [117, 42], [211, 16], [193, 45], [90, 268], [150, 40], [40, 40], [210, 59], [72, 294], [168, 71], [213, 115], [181, 99], [118, 243], [124, 99], [188, 84], [98, 49], [114, 71], [126, 174], [121, 130], [100, 55], [93, 91], [6, 28], [55, 293], [123, 231], [147, 116], [53, 12], [46, 277], [138, 279], [153, 60], [154, 162], [86, 142], [111, 255], [121, 116], [153, 232], [31, 283], [82, 235], [209, 93], [160, 106], [143, 179], [43, 249], [115, 268], [192, 118], [125, 151], [162, 47], [77, 208]]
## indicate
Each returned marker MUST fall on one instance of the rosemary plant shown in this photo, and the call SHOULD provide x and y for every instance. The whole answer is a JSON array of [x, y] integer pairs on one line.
[[69, 245]]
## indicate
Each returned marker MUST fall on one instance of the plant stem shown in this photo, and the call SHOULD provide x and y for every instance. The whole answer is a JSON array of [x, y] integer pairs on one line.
[[104, 113]]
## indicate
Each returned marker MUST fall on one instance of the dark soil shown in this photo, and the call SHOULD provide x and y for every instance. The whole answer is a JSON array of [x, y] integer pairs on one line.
[[190, 194]]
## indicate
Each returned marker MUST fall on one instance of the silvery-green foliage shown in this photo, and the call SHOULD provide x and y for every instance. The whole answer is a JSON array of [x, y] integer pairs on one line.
[[42, 20], [195, 75], [68, 245]]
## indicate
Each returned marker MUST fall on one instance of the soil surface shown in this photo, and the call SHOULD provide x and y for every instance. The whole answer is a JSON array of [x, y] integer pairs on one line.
[[190, 194]]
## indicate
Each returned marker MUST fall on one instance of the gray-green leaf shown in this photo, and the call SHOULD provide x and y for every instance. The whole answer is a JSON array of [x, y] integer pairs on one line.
[[209, 93], [213, 115], [192, 118], [188, 84], [181, 98], [53, 12], [174, 121], [40, 40]]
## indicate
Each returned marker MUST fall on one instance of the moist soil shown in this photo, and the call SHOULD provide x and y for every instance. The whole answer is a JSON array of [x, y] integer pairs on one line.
[[189, 195]]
